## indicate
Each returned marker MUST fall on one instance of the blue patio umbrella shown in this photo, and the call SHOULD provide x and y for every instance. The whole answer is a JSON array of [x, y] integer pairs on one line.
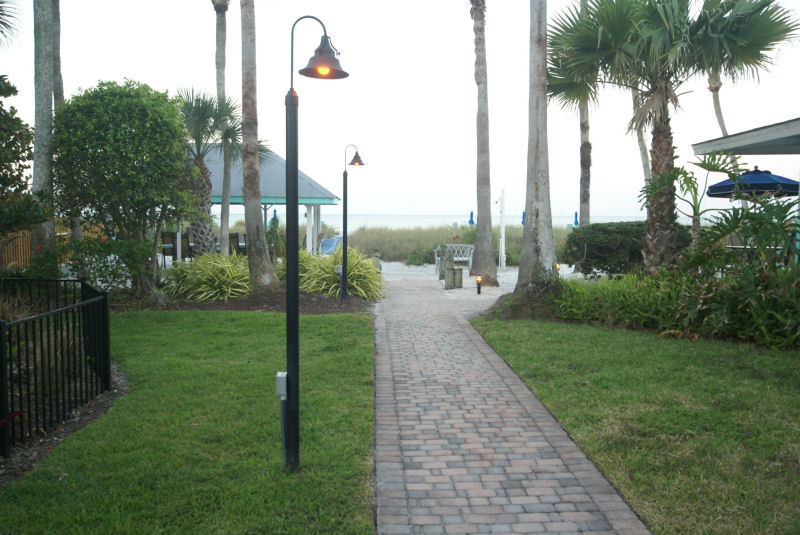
[[755, 182]]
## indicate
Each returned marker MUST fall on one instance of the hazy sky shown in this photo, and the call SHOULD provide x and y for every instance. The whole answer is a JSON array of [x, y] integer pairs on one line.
[[409, 103]]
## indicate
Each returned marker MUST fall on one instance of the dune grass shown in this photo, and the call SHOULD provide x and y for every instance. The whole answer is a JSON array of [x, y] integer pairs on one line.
[[399, 245], [700, 437], [196, 446]]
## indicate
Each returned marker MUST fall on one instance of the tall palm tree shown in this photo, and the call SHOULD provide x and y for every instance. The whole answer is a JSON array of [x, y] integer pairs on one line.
[[573, 89], [200, 116], [43, 235], [734, 37], [663, 64], [643, 44], [262, 273], [221, 8], [483, 260], [538, 255]]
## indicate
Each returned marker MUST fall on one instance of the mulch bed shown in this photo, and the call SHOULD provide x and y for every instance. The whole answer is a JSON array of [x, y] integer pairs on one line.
[[24, 457]]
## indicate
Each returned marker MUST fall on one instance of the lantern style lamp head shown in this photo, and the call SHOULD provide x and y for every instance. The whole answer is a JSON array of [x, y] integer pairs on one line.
[[478, 280], [356, 159], [324, 63]]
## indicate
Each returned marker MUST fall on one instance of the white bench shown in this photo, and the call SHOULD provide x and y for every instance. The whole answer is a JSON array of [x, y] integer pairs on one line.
[[462, 252]]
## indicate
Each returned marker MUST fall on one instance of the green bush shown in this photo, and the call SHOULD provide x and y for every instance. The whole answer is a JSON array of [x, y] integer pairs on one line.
[[610, 247], [318, 274], [420, 257], [749, 303], [208, 278], [631, 300]]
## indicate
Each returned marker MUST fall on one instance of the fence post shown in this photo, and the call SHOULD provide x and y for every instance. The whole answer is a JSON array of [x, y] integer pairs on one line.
[[106, 341], [5, 449]]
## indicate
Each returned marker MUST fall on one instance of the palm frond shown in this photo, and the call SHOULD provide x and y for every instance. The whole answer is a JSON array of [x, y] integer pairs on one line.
[[199, 112], [8, 14]]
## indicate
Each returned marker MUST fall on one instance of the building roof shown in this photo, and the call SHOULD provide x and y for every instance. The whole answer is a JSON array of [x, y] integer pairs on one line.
[[778, 138], [273, 182]]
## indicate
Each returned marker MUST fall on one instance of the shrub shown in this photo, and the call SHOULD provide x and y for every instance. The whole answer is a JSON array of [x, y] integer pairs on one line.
[[318, 274], [610, 247], [209, 277], [631, 300], [119, 161], [97, 260], [420, 257]]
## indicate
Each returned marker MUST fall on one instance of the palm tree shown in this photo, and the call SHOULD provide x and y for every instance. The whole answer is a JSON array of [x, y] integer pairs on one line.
[[538, 255], [262, 273], [573, 90], [221, 7], [643, 44], [200, 116], [733, 38], [43, 235], [483, 261]]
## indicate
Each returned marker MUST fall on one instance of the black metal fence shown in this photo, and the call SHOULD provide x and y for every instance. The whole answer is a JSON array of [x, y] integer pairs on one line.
[[54, 357]]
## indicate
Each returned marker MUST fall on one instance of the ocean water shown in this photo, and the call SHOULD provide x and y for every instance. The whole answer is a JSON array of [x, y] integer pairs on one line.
[[396, 221]]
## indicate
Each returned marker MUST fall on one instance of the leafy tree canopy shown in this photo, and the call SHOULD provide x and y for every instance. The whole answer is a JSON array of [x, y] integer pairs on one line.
[[19, 209], [120, 162]]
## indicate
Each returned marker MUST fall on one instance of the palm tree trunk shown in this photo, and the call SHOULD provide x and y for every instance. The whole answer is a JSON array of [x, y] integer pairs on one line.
[[659, 248], [640, 139], [483, 260], [43, 235], [586, 164], [262, 273], [58, 92], [200, 231], [225, 208], [714, 85], [538, 254], [221, 7], [58, 81], [584, 203]]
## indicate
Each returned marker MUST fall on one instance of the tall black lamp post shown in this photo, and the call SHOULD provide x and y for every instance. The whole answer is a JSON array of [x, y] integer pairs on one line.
[[323, 64], [343, 277]]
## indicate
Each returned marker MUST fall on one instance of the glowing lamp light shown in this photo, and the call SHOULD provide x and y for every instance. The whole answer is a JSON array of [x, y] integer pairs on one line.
[[478, 280], [324, 63]]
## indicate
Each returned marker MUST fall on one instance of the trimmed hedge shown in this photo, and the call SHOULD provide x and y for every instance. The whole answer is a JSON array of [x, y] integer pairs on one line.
[[610, 247]]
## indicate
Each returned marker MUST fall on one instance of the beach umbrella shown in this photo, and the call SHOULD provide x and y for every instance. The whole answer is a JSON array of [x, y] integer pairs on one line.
[[756, 182]]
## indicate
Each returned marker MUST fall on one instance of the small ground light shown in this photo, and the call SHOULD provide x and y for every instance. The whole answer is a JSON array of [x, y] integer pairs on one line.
[[478, 280]]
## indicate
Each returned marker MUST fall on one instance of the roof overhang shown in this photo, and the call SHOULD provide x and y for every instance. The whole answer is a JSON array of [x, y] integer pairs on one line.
[[217, 199], [779, 138]]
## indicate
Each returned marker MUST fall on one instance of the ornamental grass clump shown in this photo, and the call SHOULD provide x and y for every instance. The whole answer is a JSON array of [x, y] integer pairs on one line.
[[318, 274], [209, 277]]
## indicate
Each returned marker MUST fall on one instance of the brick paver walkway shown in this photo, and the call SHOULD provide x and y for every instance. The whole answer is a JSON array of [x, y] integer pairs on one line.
[[462, 445]]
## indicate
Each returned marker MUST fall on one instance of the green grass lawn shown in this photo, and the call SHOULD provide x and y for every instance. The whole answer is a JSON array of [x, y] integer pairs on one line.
[[700, 437], [196, 446]]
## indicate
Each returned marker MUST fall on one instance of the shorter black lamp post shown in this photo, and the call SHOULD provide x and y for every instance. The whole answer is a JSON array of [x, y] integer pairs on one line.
[[478, 280], [343, 277]]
